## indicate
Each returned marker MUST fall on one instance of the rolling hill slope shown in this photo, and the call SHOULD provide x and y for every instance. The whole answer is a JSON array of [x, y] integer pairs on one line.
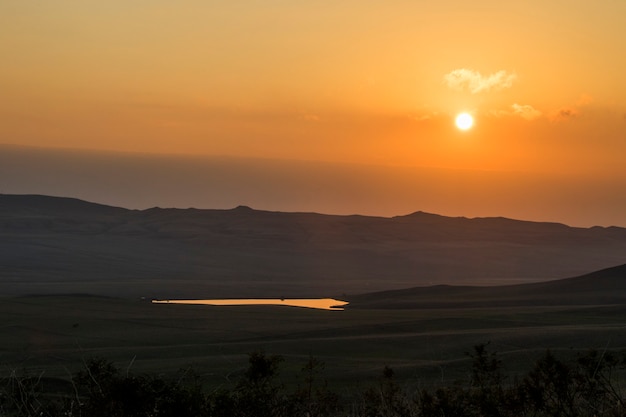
[[604, 287]]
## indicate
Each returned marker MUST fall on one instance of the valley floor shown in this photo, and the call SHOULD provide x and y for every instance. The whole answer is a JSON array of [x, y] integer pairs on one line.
[[55, 335]]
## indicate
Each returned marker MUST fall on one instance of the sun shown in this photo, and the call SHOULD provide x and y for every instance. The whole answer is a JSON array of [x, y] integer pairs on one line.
[[464, 121]]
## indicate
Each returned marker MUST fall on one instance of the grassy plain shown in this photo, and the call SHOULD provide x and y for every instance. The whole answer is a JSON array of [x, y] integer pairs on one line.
[[53, 335]]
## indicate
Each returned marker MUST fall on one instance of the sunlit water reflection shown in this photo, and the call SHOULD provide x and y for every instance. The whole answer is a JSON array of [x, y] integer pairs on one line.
[[317, 303]]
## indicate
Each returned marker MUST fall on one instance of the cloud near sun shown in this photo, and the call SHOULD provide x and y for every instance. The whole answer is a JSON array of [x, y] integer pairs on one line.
[[525, 111], [475, 82]]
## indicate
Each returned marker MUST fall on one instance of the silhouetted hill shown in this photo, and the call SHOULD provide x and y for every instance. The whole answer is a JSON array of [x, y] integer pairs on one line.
[[63, 245], [20, 205], [607, 286]]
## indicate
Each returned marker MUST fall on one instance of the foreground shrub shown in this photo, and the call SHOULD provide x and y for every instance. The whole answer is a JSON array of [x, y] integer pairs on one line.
[[103, 391], [585, 387]]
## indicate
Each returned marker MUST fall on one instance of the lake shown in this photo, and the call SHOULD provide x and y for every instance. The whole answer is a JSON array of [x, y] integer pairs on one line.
[[317, 303]]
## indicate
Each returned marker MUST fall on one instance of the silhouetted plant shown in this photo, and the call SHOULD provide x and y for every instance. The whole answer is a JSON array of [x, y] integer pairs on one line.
[[314, 399], [262, 369], [486, 366], [486, 381], [106, 392], [449, 402], [596, 377], [387, 399], [22, 396], [257, 394], [550, 387], [585, 387]]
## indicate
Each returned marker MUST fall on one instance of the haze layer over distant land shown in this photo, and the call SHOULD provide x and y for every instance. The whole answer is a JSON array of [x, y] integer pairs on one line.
[[142, 181], [60, 245]]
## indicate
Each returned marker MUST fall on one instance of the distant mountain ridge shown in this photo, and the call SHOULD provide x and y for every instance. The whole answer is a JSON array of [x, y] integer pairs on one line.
[[57, 244], [448, 227]]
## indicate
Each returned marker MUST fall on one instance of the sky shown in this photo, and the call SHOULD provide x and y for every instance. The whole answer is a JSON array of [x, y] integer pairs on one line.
[[372, 87]]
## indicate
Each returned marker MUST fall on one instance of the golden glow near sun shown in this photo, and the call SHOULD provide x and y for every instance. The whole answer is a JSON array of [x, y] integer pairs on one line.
[[464, 121]]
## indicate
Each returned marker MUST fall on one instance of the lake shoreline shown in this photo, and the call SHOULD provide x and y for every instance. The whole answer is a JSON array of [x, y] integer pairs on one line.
[[313, 303]]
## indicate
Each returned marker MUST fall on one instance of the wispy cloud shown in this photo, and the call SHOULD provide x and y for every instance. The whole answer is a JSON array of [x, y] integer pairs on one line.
[[475, 82], [573, 110], [564, 113], [525, 111]]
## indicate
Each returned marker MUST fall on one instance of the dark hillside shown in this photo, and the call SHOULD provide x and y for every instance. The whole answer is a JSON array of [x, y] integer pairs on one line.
[[63, 245], [604, 287]]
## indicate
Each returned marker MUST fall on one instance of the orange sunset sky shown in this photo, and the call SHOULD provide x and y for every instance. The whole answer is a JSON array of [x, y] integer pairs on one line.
[[366, 84]]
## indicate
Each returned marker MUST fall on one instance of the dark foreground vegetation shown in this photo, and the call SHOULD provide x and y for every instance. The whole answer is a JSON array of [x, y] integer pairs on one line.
[[588, 385]]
